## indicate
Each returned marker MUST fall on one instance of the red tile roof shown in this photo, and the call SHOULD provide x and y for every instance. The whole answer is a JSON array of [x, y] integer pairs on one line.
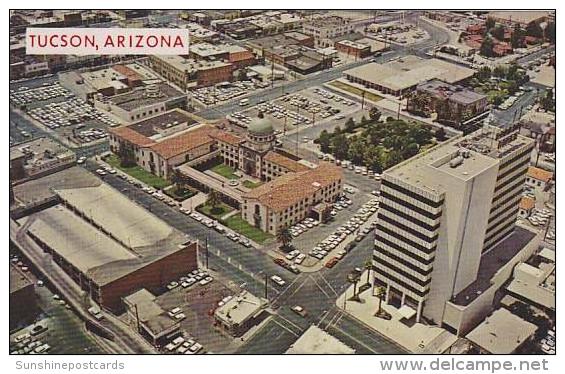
[[226, 137], [184, 142], [539, 174], [292, 188], [527, 203], [285, 162], [132, 136]]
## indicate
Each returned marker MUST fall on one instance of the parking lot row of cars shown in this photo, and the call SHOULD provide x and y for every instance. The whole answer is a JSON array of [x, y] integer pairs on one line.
[[73, 112], [226, 91], [328, 95], [540, 217], [25, 95], [363, 170], [303, 226], [183, 345], [548, 343], [318, 108], [28, 343], [196, 276], [352, 226]]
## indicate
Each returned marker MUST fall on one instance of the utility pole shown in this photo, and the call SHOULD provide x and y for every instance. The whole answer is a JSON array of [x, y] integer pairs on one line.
[[398, 112], [207, 252], [363, 100], [266, 285]]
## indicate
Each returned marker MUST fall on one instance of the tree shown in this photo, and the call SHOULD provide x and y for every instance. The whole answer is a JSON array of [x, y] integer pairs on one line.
[[484, 73], [368, 266], [487, 47], [549, 32], [356, 150], [440, 134], [546, 101], [380, 294], [127, 157], [214, 200], [517, 38], [534, 29], [284, 237], [375, 114], [364, 120], [241, 75], [340, 146], [324, 140], [349, 125], [498, 32], [372, 158], [353, 278], [489, 24]]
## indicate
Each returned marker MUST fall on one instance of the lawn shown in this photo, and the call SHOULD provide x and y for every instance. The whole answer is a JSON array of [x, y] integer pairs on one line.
[[216, 213], [138, 173], [249, 184], [356, 91], [225, 171], [239, 225], [179, 194]]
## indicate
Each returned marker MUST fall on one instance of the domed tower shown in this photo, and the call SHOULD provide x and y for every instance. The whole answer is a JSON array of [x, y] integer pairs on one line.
[[259, 141], [260, 133]]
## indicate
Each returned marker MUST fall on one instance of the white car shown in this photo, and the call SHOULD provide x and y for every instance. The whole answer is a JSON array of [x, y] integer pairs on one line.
[[278, 280]]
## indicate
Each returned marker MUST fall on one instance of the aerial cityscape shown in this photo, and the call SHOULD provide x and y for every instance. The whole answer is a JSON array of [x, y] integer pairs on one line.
[[296, 182]]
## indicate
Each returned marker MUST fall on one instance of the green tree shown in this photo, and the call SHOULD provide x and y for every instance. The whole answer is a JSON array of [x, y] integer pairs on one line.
[[517, 38], [375, 114], [242, 75], [534, 29], [484, 73], [325, 140], [214, 200], [350, 125], [440, 134], [127, 157], [410, 150], [489, 24], [549, 32], [368, 266], [380, 294], [498, 32], [373, 158], [340, 146], [487, 47], [356, 150], [353, 278], [284, 237]]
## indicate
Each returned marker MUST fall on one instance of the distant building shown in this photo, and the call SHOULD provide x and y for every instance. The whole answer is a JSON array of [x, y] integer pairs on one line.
[[538, 178], [521, 17], [534, 280], [23, 301], [142, 102], [502, 333], [38, 158], [316, 341], [109, 245], [325, 28], [452, 104], [150, 320], [240, 313], [527, 204], [190, 73], [404, 75]]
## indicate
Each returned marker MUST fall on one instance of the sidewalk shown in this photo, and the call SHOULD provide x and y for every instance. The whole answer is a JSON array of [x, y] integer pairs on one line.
[[418, 338]]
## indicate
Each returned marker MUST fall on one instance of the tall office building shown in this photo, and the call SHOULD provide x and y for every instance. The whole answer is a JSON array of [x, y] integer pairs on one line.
[[441, 211]]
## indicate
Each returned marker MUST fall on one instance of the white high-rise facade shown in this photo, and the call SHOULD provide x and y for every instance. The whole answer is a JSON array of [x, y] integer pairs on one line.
[[441, 211]]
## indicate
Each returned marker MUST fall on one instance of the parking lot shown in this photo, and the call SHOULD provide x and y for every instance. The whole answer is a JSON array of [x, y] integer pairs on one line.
[[308, 107], [59, 110], [196, 303], [222, 92]]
